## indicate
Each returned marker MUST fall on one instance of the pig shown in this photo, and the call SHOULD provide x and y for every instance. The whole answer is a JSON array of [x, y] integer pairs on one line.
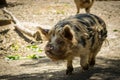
[[81, 35], [87, 4]]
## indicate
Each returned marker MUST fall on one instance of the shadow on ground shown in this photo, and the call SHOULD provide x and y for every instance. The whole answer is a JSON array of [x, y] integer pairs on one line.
[[9, 4], [109, 71]]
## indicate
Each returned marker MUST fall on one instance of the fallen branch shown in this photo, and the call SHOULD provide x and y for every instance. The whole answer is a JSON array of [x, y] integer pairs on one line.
[[21, 28]]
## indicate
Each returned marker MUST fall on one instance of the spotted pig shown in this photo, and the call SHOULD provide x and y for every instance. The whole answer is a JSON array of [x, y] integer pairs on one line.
[[80, 36]]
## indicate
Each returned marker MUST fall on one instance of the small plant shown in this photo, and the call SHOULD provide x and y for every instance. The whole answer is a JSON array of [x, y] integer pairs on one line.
[[17, 57], [15, 47], [60, 12], [33, 56], [13, 57], [34, 48], [66, 4], [115, 30]]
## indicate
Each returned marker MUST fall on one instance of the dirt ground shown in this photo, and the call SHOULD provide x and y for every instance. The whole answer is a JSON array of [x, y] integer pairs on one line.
[[47, 13]]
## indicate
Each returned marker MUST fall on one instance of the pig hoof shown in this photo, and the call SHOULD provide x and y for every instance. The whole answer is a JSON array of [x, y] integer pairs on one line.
[[92, 63], [69, 71]]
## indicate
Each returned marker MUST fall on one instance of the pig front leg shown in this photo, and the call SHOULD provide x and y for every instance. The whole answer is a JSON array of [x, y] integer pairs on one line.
[[69, 67], [84, 62], [92, 59]]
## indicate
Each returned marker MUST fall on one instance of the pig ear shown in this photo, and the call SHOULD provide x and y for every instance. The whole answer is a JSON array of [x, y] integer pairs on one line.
[[67, 32], [43, 33]]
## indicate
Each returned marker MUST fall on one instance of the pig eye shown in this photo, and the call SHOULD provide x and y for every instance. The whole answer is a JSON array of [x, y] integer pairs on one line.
[[60, 41]]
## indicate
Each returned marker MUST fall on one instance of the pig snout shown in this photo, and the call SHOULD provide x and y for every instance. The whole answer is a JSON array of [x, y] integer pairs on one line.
[[49, 47]]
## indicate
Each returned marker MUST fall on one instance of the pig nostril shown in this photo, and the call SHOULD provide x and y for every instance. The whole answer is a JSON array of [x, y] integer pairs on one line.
[[49, 47]]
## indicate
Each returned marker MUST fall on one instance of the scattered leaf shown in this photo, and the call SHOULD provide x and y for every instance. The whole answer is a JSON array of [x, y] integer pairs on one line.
[[13, 57], [34, 48], [60, 12], [34, 56], [15, 47], [115, 30]]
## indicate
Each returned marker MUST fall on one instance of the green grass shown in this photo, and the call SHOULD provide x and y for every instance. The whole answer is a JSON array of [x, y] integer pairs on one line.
[[34, 48], [15, 47], [33, 56], [18, 57], [115, 30], [60, 12], [13, 57]]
